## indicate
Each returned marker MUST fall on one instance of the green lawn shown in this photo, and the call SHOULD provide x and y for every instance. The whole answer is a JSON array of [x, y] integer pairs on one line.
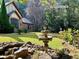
[[32, 37]]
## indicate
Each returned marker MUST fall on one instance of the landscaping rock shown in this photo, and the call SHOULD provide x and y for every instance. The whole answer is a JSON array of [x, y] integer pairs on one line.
[[7, 57], [30, 51], [1, 50], [10, 57], [21, 53]]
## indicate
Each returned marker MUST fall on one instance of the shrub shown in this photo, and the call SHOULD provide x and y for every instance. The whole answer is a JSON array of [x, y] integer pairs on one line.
[[25, 30], [19, 31], [8, 29], [68, 35], [64, 54]]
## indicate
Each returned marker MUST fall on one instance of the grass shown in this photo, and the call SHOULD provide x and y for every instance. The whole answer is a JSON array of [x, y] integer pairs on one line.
[[7, 39], [32, 37]]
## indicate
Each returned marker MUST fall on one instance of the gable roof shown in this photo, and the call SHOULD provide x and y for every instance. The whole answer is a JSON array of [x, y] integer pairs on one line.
[[9, 14], [12, 8], [26, 21]]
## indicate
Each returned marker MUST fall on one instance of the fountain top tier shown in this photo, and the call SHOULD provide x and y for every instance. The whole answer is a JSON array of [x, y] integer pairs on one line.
[[45, 34]]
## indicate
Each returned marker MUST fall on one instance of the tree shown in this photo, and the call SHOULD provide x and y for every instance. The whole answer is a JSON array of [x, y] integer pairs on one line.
[[54, 16], [48, 3], [72, 14], [54, 20], [23, 1], [4, 19], [0, 2], [35, 13], [67, 17]]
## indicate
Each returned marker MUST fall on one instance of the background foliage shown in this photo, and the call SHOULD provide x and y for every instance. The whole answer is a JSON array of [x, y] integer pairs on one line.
[[59, 14]]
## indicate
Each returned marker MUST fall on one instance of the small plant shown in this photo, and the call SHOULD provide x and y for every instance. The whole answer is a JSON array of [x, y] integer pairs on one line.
[[19, 31], [64, 54], [68, 36], [25, 30]]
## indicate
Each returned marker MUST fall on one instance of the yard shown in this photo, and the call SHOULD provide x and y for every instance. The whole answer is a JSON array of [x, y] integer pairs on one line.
[[32, 37]]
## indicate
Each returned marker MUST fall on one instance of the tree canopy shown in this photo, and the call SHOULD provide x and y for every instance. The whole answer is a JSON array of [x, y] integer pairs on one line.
[[64, 18], [4, 19]]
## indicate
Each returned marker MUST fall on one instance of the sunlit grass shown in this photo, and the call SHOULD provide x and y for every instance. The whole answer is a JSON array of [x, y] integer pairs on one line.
[[7, 39], [56, 43], [32, 37], [33, 40]]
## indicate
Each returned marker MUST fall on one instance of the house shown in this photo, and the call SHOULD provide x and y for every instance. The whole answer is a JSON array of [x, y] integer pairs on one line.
[[16, 18]]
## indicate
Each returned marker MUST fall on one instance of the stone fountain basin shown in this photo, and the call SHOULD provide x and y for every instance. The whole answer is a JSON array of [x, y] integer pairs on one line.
[[42, 37]]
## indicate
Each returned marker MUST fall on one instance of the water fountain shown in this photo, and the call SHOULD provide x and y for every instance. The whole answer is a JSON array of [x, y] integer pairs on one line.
[[45, 37]]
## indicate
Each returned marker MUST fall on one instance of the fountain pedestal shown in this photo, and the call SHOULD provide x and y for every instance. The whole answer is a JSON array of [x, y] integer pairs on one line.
[[45, 37]]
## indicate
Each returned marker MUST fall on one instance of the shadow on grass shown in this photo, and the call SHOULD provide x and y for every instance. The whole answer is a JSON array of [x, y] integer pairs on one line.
[[17, 39], [13, 37], [16, 36]]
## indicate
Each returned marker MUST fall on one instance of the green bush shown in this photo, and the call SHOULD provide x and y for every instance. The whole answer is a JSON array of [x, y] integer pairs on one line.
[[6, 29], [67, 35], [19, 31], [25, 30], [11, 29]]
